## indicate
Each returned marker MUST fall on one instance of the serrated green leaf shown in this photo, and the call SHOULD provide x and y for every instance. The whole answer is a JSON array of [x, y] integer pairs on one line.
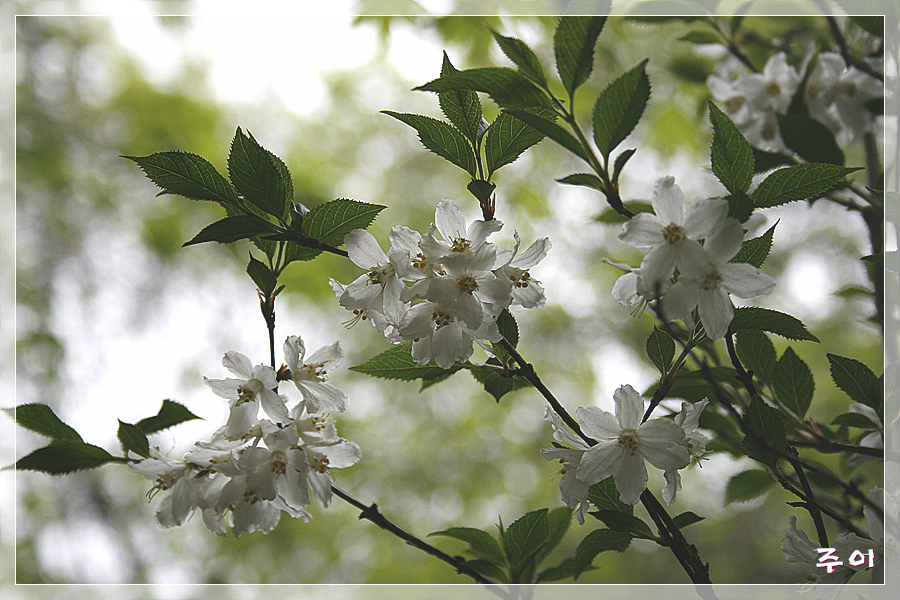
[[810, 139], [752, 317], [739, 206], [398, 363], [756, 251], [765, 433], [443, 139], [620, 164], [256, 176], [133, 439], [507, 87], [546, 126], [171, 413], [731, 155], [523, 539], [563, 570], [766, 161], [428, 382], [597, 541], [559, 520], [65, 457], [487, 568], [232, 229], [793, 383], [524, 57], [747, 485], [573, 46], [757, 353], [329, 222], [686, 518], [188, 175], [481, 543], [856, 380], [800, 182], [509, 329], [262, 276], [624, 522], [611, 216], [41, 419], [583, 179], [852, 419], [619, 107], [461, 107], [660, 349], [506, 139], [605, 496]]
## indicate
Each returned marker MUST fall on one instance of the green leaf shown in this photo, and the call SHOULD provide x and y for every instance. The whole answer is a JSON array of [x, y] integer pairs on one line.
[[597, 541], [398, 363], [509, 329], [624, 522], [800, 182], [660, 349], [605, 496], [443, 139], [810, 139], [187, 175], [524, 57], [547, 127], [765, 437], [171, 413], [133, 439], [481, 543], [506, 139], [461, 107], [262, 276], [730, 154], [752, 317], [747, 485], [487, 568], [856, 380], [558, 520], [793, 383], [495, 384], [563, 570], [757, 353], [620, 163], [612, 217], [330, 221], [619, 108], [686, 518], [507, 87], [584, 179], [739, 206], [694, 386], [65, 457], [523, 540], [255, 175], [766, 161], [756, 251], [573, 47], [701, 37], [852, 419], [232, 229], [41, 419]]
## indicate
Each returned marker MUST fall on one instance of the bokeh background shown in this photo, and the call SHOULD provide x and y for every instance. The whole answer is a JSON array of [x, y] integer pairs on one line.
[[112, 315]]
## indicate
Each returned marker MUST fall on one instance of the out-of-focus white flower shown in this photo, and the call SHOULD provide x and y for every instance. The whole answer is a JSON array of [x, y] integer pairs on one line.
[[573, 491], [694, 442], [872, 440]]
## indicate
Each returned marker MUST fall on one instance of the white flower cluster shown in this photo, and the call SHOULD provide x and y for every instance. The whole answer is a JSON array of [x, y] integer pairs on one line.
[[253, 469], [460, 283], [835, 95], [706, 276], [623, 444]]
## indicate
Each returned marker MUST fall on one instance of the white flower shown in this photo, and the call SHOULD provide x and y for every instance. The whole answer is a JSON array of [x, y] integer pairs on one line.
[[438, 334], [309, 377], [694, 442], [625, 290], [573, 491], [257, 384], [773, 89], [469, 288], [378, 290], [872, 440], [324, 455], [179, 477], [624, 443], [707, 278], [456, 236], [669, 233], [526, 291]]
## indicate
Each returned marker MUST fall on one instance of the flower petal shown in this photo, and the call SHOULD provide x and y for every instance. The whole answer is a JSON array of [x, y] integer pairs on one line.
[[597, 423], [668, 201], [631, 478], [363, 249], [629, 407], [599, 462]]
